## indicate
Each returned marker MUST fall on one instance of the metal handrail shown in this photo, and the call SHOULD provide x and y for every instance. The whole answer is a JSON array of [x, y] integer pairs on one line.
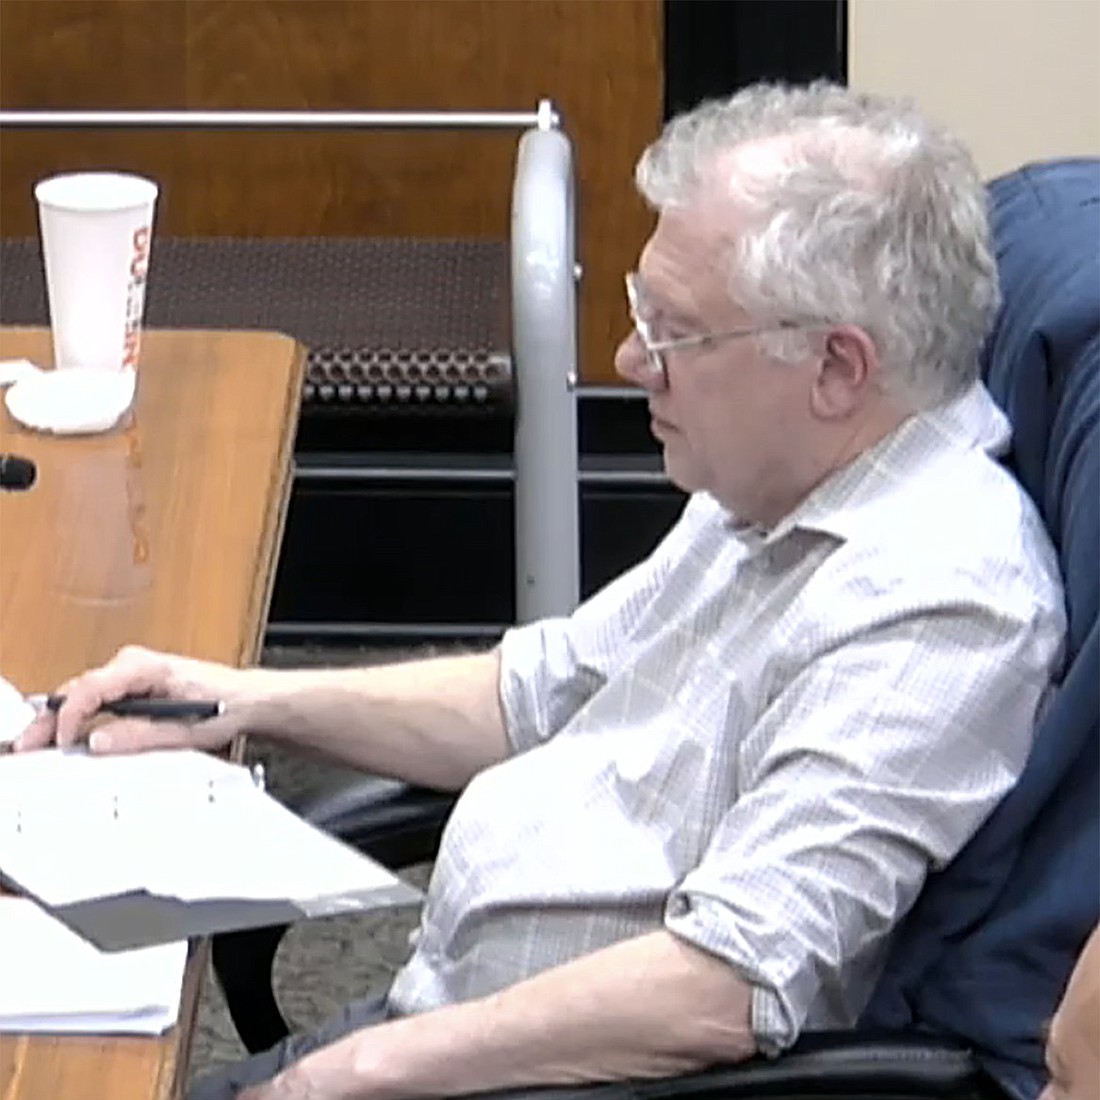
[[544, 325], [543, 117]]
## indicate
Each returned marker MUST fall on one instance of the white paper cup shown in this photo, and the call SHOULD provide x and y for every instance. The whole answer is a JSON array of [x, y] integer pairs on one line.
[[97, 230]]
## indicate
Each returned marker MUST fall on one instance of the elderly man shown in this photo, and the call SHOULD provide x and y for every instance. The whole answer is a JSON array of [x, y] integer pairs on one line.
[[694, 810]]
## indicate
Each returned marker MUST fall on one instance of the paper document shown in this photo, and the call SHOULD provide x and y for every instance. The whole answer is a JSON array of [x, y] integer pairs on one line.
[[141, 849], [52, 980]]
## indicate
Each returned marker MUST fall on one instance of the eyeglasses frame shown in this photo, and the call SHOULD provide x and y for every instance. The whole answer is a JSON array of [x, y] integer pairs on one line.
[[655, 349]]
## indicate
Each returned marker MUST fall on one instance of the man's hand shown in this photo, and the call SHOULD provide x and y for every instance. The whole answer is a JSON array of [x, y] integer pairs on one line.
[[298, 1083], [275, 1089], [269, 1090], [138, 671]]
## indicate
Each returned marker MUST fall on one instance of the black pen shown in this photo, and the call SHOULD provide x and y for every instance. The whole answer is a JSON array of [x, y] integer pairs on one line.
[[143, 706]]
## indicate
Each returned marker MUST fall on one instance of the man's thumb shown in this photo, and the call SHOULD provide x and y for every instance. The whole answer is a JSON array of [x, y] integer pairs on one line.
[[138, 735]]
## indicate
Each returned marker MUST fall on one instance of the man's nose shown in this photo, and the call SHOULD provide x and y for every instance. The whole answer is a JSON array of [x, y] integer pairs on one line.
[[631, 361]]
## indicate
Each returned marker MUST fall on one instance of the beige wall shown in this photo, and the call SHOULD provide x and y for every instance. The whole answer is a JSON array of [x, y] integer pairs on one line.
[[1018, 79]]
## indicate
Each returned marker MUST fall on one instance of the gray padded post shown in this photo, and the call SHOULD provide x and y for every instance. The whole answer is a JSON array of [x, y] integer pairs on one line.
[[544, 346]]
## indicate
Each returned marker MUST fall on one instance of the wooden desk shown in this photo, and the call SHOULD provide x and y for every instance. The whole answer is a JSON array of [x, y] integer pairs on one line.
[[164, 532]]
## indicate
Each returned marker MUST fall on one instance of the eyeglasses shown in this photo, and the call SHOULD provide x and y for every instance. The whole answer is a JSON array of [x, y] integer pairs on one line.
[[655, 349]]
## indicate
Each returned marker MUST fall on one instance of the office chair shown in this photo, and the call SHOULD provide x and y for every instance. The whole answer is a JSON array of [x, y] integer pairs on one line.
[[981, 960]]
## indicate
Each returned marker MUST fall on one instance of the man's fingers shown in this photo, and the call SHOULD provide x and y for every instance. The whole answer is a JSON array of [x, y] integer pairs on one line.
[[42, 730], [122, 735], [85, 695], [132, 671], [38, 734]]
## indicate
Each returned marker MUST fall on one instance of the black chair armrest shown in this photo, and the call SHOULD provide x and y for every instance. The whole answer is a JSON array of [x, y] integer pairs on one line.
[[391, 822], [827, 1065], [842, 1065]]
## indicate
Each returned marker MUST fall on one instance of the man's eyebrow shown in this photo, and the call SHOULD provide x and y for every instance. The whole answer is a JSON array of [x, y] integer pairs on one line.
[[660, 302], [669, 310]]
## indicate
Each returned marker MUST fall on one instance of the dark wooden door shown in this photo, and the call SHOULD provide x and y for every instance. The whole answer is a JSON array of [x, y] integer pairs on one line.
[[601, 61]]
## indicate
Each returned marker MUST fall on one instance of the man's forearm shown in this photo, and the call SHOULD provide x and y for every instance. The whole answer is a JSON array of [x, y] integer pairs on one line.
[[435, 722], [647, 1007]]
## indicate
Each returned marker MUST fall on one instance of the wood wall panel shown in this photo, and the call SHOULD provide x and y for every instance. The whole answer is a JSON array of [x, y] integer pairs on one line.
[[599, 60]]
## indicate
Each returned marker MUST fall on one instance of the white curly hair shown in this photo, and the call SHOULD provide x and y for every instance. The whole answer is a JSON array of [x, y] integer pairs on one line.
[[869, 214]]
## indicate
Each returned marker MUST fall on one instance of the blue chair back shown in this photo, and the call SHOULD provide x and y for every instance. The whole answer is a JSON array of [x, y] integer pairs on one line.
[[990, 943]]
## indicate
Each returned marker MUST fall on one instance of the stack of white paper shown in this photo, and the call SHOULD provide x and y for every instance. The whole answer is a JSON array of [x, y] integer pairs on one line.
[[52, 980], [132, 851]]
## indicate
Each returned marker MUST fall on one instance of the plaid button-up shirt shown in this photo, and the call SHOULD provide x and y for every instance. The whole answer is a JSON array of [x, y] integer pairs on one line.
[[761, 741]]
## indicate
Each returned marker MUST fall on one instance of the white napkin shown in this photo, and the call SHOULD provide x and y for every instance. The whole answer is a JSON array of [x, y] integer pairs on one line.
[[66, 402], [12, 370]]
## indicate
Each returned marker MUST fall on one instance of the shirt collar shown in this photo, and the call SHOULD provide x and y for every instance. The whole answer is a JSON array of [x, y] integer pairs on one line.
[[971, 421]]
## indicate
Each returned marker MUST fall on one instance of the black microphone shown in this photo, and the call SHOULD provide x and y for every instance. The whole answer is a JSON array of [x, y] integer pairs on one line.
[[16, 472]]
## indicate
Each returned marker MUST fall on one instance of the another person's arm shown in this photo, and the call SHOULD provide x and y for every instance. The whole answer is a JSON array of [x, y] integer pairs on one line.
[[1073, 1042]]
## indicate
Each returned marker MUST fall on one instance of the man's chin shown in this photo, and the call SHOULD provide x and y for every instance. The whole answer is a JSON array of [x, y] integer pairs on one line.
[[679, 472]]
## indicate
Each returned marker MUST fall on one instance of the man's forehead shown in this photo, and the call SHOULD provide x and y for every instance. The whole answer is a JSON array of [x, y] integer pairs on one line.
[[684, 255], [696, 227], [691, 241]]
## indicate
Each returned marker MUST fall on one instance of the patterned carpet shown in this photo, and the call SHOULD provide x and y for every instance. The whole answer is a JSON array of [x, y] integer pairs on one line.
[[322, 963]]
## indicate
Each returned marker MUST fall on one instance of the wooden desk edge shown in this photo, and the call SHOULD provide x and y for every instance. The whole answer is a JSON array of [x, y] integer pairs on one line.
[[282, 475], [172, 1068], [278, 504]]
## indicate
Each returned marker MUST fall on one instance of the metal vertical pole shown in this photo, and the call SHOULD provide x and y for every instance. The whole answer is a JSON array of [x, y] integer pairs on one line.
[[544, 343]]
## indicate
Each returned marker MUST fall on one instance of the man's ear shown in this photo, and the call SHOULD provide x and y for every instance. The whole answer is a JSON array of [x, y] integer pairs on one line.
[[846, 373]]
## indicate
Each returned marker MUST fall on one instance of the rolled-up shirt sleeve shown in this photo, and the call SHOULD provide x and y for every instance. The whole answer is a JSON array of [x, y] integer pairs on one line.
[[873, 765]]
